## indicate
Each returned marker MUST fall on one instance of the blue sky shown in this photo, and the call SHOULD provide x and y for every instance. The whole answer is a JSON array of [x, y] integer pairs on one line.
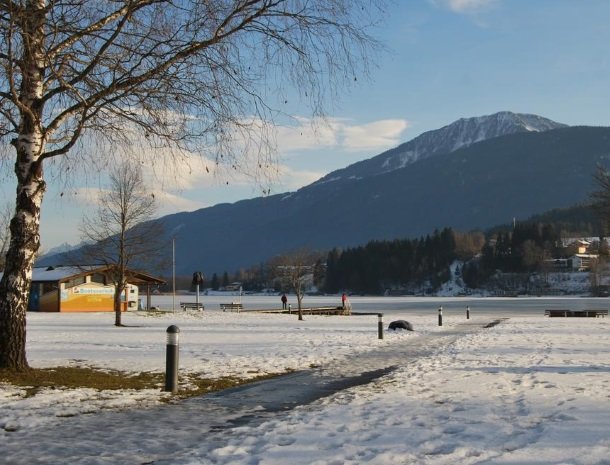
[[446, 59]]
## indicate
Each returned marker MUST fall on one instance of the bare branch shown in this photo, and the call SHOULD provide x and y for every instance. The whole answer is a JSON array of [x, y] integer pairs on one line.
[[191, 76]]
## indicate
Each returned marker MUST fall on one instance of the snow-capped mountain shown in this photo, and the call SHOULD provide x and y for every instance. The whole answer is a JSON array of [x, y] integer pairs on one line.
[[62, 249], [457, 135], [474, 173]]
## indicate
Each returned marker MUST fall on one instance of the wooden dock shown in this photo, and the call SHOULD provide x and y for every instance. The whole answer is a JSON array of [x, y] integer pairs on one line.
[[307, 311]]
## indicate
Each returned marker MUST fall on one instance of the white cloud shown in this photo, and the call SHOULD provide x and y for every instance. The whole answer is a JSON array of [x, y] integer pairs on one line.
[[376, 135], [340, 134], [466, 6], [169, 203], [174, 172], [82, 196], [186, 172], [307, 134], [303, 135], [291, 179]]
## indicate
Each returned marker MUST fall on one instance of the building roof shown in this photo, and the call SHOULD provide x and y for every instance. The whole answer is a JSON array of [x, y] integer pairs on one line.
[[65, 273], [59, 273]]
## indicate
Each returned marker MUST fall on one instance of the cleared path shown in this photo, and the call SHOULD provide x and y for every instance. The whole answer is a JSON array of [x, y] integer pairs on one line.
[[107, 437]]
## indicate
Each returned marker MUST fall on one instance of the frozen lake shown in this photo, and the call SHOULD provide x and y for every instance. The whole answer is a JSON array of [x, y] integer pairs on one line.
[[497, 306]]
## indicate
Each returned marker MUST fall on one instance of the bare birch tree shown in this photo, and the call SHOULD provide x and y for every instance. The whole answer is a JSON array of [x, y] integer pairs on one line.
[[192, 76], [121, 235], [600, 198], [293, 269]]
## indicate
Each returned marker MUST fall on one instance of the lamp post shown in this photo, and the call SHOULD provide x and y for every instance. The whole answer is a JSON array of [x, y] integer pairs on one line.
[[197, 281], [174, 274]]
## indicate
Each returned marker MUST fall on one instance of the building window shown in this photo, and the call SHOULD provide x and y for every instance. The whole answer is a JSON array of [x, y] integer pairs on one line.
[[75, 282], [98, 278]]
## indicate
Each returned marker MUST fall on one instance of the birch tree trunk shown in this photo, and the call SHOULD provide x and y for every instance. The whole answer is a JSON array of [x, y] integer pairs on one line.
[[25, 242], [25, 225]]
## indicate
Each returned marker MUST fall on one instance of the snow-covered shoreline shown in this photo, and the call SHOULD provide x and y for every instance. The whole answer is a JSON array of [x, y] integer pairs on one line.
[[531, 390]]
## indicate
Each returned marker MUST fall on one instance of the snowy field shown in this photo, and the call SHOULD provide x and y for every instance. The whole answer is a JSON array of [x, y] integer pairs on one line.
[[531, 390]]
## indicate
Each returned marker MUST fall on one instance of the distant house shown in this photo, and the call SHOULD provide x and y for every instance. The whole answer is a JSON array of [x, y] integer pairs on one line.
[[233, 287], [583, 261], [88, 289], [583, 246], [559, 264]]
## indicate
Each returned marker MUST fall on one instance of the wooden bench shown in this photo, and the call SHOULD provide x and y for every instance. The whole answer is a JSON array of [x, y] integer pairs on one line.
[[233, 307], [557, 312], [592, 313], [576, 313], [191, 306]]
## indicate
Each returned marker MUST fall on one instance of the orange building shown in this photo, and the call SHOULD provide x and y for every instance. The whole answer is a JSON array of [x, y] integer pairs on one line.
[[84, 289]]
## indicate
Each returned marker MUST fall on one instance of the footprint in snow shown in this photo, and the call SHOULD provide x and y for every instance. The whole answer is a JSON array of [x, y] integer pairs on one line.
[[285, 441]]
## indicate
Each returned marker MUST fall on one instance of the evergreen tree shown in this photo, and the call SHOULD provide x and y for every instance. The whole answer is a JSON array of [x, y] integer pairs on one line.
[[215, 282]]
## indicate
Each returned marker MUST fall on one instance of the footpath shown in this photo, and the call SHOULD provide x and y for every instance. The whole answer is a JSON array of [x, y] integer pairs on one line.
[[108, 437]]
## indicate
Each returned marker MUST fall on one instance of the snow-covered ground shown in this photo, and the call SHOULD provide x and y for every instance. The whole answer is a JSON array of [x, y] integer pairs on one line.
[[531, 390]]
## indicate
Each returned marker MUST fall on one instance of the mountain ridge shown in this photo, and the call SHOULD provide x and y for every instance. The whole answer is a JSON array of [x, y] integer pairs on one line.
[[477, 186], [461, 133]]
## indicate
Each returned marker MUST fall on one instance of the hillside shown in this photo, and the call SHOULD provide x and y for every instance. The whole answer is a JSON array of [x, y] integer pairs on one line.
[[483, 185], [477, 186]]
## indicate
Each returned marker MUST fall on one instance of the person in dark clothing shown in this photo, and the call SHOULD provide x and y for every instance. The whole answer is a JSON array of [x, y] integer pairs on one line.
[[284, 301]]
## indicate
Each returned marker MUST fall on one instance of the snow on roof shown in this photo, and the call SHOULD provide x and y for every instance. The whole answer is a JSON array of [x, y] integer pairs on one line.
[[59, 273], [62, 273]]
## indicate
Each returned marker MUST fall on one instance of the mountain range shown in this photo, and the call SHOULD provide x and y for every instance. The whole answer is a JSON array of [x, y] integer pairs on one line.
[[474, 173]]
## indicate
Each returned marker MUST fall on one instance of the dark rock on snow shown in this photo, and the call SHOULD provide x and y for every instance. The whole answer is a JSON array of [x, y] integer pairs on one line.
[[401, 324]]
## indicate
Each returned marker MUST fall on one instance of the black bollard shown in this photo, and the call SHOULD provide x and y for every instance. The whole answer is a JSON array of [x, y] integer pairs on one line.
[[171, 359], [440, 316], [468, 313], [380, 326]]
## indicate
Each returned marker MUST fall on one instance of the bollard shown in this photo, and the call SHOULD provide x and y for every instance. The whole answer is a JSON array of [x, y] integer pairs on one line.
[[380, 326], [440, 316], [290, 309], [171, 359], [468, 313]]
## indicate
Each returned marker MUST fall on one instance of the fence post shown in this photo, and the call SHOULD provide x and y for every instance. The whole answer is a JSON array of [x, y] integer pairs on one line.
[[440, 316], [468, 313], [380, 326]]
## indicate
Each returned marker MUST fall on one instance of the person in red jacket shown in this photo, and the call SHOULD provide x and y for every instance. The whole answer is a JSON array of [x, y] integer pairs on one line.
[[343, 299]]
